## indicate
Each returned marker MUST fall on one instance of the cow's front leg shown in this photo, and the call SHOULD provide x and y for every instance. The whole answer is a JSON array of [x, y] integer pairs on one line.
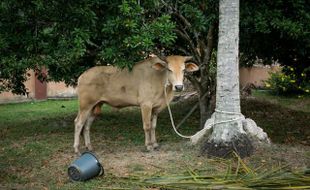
[[153, 131], [146, 111]]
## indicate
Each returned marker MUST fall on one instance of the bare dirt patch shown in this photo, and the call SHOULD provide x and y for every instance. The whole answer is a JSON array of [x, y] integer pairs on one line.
[[175, 158], [134, 160]]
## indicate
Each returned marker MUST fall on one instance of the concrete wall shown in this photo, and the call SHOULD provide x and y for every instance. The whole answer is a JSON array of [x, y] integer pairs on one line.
[[30, 85], [256, 74], [37, 90], [59, 90]]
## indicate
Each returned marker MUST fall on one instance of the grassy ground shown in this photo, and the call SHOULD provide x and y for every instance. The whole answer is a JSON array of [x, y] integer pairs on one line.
[[298, 103], [36, 144], [286, 119]]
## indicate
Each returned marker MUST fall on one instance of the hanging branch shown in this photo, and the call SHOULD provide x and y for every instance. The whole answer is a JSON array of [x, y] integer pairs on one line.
[[183, 34], [195, 82], [206, 50], [183, 50], [187, 24], [183, 19]]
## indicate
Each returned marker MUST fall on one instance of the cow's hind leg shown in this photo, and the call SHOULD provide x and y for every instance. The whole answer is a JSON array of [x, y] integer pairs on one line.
[[79, 124], [146, 111]]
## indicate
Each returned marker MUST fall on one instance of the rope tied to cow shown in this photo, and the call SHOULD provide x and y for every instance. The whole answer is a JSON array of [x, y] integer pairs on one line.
[[208, 126]]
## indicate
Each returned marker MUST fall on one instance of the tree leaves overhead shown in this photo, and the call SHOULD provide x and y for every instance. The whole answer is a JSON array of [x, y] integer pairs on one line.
[[133, 32], [69, 36], [275, 30]]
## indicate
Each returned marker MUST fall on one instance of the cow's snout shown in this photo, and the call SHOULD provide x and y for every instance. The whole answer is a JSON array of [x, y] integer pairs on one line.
[[178, 88]]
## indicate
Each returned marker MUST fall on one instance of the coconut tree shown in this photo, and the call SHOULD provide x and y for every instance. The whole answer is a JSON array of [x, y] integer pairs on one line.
[[230, 130]]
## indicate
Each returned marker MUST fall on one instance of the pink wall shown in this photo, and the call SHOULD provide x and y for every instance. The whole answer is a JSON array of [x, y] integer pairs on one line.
[[59, 89], [30, 85], [256, 74]]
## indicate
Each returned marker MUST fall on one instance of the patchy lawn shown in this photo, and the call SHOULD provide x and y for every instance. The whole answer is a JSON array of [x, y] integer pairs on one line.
[[298, 103], [285, 119], [36, 145]]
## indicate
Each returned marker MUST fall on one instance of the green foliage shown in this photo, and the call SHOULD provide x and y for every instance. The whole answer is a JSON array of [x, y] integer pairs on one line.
[[39, 33], [133, 32], [286, 82], [277, 31], [67, 37], [13, 74], [193, 20]]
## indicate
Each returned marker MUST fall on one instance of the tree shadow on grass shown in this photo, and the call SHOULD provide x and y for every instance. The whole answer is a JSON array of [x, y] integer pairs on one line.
[[283, 125]]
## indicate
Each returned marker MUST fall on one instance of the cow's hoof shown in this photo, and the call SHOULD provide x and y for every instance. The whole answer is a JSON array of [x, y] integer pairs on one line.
[[89, 147], [77, 151], [149, 148], [155, 146]]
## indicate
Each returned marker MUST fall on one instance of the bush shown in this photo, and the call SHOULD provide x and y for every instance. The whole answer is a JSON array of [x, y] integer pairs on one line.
[[287, 82]]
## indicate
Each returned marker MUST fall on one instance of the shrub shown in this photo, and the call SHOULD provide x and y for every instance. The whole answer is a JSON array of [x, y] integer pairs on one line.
[[287, 82]]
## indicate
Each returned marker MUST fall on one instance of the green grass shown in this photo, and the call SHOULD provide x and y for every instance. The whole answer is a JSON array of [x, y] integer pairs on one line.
[[295, 102], [285, 119], [36, 143], [14, 114]]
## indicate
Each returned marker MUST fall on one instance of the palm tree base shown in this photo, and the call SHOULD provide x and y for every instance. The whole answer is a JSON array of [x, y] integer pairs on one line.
[[241, 144]]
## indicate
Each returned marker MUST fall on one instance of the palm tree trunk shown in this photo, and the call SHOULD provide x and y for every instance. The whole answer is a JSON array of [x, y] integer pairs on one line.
[[227, 130], [228, 135]]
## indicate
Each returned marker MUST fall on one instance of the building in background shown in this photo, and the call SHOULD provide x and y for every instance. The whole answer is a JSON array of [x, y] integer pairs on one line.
[[256, 74], [38, 90]]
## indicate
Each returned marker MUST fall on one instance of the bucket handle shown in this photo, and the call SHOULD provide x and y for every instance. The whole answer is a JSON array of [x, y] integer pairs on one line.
[[102, 169]]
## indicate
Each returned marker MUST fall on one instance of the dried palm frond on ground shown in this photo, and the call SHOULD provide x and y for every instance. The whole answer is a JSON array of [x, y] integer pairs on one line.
[[240, 177]]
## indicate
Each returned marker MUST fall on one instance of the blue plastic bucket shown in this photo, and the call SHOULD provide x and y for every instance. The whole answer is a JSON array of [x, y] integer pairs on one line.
[[85, 167]]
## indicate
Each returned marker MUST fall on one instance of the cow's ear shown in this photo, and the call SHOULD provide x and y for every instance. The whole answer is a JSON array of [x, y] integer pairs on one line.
[[159, 66], [191, 67]]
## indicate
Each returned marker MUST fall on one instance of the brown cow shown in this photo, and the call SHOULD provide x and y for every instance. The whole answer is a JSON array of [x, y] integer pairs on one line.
[[143, 86]]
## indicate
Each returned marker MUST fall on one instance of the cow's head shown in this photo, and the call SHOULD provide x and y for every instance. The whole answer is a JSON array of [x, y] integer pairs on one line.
[[175, 66]]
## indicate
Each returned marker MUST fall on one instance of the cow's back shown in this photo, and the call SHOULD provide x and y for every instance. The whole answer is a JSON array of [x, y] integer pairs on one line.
[[96, 74], [121, 87]]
